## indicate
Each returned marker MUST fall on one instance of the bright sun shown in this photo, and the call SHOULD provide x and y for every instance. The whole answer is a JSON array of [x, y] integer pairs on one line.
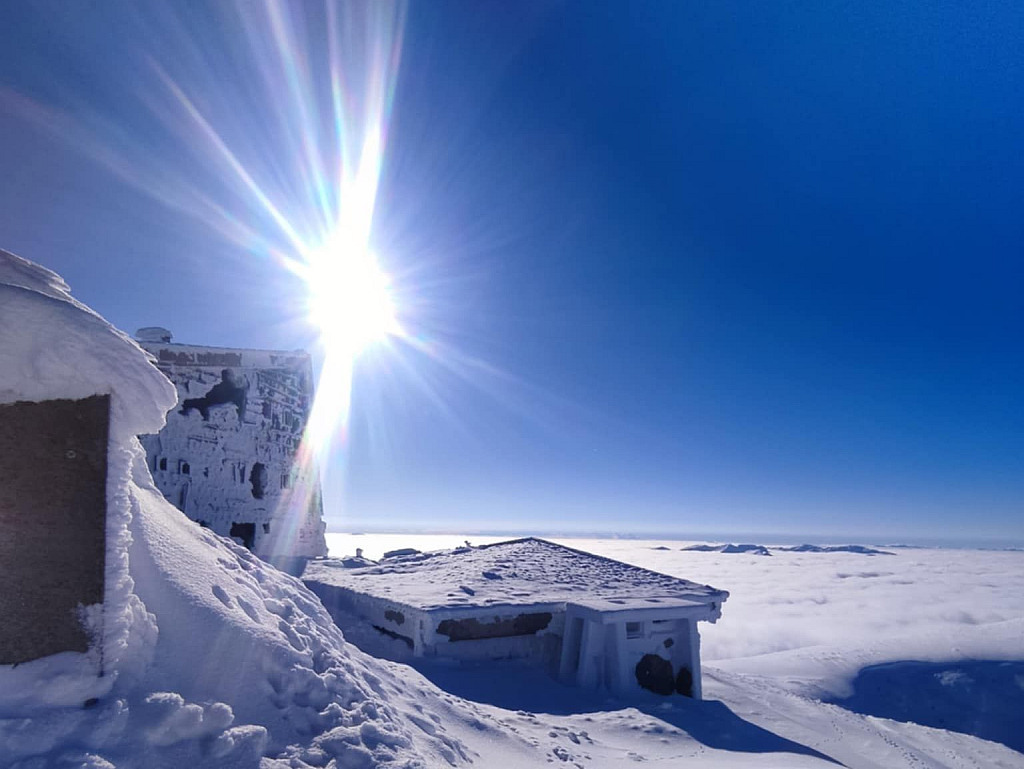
[[350, 299]]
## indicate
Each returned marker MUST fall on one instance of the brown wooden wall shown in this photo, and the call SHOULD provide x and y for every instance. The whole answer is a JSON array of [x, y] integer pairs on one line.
[[53, 481]]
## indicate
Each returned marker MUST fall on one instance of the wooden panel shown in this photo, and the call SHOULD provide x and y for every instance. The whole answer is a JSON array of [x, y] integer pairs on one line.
[[53, 479]]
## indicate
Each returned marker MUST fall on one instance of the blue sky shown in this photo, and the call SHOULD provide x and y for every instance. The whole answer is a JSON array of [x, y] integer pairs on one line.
[[686, 267]]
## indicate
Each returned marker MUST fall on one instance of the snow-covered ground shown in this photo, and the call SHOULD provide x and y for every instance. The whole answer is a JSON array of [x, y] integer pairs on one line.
[[797, 631]]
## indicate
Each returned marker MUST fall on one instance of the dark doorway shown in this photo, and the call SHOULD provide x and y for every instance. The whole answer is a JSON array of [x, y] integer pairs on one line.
[[245, 532]]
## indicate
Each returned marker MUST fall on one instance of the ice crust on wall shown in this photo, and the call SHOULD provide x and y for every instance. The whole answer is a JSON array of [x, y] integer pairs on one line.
[[237, 465], [212, 658]]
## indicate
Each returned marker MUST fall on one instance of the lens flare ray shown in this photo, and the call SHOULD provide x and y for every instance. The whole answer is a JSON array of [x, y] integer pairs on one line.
[[337, 163]]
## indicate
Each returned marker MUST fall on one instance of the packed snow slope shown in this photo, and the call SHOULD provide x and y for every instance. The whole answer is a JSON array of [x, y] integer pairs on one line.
[[244, 664]]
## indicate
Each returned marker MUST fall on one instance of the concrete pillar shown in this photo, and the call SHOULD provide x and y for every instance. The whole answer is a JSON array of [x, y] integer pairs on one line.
[[695, 659], [591, 654], [572, 640], [616, 663]]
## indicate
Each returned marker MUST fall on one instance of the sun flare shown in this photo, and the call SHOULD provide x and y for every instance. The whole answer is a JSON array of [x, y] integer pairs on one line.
[[350, 299]]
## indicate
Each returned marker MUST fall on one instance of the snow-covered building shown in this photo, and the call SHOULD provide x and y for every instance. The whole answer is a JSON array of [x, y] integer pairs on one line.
[[229, 456], [74, 392], [591, 620]]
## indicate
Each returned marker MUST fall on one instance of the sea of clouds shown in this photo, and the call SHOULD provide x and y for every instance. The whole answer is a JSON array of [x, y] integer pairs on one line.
[[796, 600]]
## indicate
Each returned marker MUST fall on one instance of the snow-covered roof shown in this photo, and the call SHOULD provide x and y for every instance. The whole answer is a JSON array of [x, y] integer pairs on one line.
[[520, 572], [53, 346]]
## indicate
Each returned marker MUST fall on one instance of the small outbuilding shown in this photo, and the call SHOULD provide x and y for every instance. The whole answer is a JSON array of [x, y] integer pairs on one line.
[[74, 393], [592, 621]]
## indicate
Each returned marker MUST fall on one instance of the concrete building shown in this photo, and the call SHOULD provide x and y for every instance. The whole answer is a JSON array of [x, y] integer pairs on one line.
[[589, 620], [229, 456]]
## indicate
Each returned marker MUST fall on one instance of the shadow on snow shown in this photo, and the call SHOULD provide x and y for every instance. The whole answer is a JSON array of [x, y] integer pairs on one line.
[[521, 688], [977, 697]]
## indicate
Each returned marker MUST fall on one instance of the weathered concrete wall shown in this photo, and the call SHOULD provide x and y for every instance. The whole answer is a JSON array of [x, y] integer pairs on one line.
[[392, 618], [229, 454], [53, 476]]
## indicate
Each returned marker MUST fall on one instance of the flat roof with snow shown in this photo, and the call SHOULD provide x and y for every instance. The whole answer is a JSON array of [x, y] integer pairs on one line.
[[520, 572]]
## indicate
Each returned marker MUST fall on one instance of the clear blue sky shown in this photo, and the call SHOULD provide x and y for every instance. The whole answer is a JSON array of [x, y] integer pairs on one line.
[[750, 267]]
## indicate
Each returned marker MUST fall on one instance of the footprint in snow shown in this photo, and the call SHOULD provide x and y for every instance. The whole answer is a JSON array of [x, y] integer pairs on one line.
[[249, 609], [221, 595]]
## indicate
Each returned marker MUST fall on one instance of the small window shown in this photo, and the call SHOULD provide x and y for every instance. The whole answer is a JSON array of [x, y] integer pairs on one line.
[[163, 463], [266, 528], [184, 468], [258, 479], [634, 630]]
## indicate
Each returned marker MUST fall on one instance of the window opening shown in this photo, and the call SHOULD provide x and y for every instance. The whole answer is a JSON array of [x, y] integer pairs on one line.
[[258, 479]]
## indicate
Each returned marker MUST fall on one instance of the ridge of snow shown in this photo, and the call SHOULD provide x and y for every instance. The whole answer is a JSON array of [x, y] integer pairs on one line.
[[55, 347], [18, 271]]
